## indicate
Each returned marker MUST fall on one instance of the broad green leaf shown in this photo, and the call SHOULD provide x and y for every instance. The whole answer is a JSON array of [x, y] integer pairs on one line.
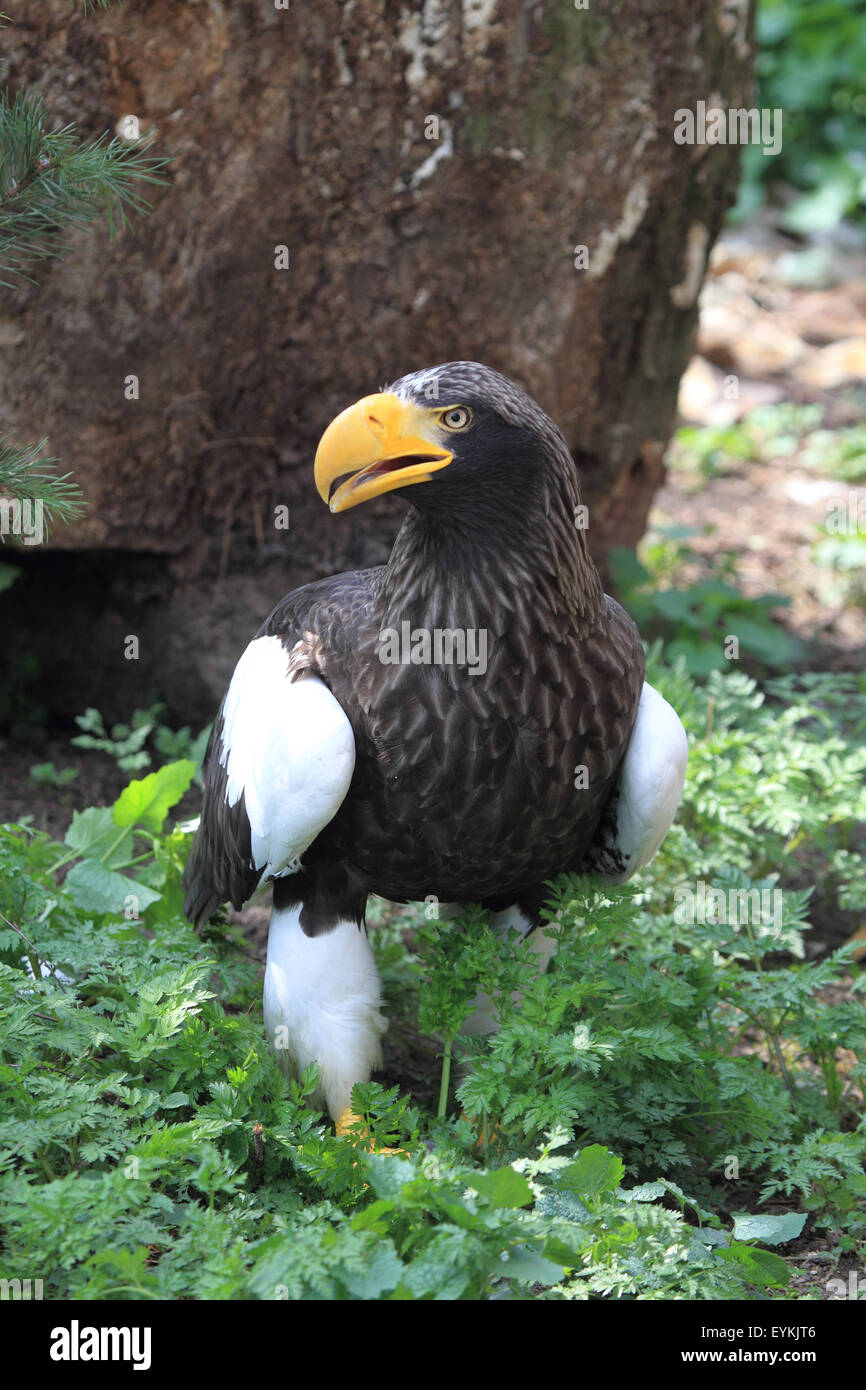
[[372, 1217], [563, 1254], [596, 1170], [147, 801], [462, 1216], [95, 888], [644, 1192], [709, 1235], [627, 567], [770, 1230], [94, 833], [530, 1267], [769, 640], [758, 1266], [502, 1187], [382, 1274], [388, 1173], [674, 603], [443, 1270]]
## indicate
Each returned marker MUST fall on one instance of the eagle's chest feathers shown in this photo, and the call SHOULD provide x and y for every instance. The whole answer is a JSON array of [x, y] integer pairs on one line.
[[477, 743]]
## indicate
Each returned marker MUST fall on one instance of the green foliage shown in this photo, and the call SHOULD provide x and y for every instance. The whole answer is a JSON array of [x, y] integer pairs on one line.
[[838, 453], [696, 621], [633, 1038], [811, 64], [695, 618], [125, 743], [844, 555], [772, 773], [766, 433], [47, 775], [48, 180], [30, 481], [151, 1148]]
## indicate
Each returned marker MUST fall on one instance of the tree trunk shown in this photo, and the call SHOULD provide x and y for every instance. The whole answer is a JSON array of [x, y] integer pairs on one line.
[[431, 171]]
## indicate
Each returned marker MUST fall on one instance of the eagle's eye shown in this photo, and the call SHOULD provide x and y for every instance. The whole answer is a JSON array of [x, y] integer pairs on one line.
[[456, 417]]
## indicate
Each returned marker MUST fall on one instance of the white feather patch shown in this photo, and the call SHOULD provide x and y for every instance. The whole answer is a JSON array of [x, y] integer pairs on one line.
[[288, 748], [651, 781], [322, 1000]]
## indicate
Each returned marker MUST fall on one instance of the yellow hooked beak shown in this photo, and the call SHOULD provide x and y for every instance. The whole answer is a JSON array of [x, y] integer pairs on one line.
[[378, 444]]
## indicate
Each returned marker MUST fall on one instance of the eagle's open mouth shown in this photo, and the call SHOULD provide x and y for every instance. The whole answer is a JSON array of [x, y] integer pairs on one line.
[[379, 468]]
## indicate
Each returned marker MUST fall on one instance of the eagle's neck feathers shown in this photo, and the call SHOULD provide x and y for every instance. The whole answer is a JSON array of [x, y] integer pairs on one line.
[[521, 557]]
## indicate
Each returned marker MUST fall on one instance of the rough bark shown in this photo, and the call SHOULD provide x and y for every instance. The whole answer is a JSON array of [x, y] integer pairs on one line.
[[307, 127]]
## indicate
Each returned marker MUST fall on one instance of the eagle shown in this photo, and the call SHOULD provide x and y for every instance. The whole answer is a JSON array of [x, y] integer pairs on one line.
[[459, 725]]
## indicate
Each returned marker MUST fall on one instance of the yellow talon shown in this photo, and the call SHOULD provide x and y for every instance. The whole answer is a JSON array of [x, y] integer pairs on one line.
[[344, 1124]]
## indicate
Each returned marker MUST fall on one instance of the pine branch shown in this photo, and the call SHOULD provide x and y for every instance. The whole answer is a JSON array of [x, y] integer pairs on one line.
[[27, 478], [48, 180]]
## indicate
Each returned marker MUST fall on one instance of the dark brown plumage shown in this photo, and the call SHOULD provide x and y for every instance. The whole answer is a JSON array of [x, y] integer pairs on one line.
[[465, 783]]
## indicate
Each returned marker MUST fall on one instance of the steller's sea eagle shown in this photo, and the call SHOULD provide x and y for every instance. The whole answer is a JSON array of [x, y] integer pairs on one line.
[[463, 723]]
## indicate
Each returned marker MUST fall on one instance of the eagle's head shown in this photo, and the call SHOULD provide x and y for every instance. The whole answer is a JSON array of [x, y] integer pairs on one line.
[[471, 436]]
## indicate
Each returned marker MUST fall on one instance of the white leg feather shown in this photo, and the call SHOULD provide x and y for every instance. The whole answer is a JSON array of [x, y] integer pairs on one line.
[[650, 785], [322, 998]]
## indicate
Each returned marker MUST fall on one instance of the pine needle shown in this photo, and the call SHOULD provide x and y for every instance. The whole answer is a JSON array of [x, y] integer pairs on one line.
[[49, 181], [26, 477]]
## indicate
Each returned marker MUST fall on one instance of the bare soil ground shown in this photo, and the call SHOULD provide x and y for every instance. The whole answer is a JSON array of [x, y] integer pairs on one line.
[[770, 339]]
